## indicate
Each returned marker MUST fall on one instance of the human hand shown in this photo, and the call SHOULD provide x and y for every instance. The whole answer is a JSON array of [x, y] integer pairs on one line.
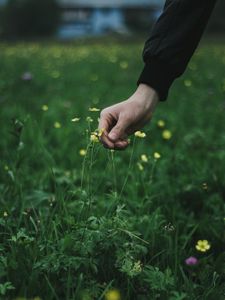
[[118, 121]]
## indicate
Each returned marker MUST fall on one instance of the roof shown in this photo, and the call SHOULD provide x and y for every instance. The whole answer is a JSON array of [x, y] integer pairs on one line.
[[111, 3]]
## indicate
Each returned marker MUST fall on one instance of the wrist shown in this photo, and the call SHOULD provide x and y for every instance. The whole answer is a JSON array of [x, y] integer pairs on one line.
[[146, 91], [146, 96]]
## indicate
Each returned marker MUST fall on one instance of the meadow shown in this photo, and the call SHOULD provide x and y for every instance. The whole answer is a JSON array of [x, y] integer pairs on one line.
[[78, 221]]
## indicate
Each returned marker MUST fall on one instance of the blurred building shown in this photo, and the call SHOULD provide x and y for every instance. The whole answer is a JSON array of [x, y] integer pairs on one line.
[[97, 17]]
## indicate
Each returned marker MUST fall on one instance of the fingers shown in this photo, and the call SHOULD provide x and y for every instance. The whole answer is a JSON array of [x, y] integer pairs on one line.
[[104, 123], [118, 131], [121, 145], [114, 125]]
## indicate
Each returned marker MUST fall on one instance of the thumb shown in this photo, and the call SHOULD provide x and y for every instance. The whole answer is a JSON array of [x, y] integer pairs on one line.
[[117, 132]]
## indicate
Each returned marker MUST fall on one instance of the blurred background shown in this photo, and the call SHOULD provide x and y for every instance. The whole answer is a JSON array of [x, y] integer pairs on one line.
[[72, 19]]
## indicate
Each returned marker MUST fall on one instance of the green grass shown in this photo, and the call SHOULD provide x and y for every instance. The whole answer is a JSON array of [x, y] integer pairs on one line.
[[75, 227]]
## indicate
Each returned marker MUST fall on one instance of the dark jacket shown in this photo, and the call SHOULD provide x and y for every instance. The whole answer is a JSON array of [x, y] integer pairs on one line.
[[173, 41]]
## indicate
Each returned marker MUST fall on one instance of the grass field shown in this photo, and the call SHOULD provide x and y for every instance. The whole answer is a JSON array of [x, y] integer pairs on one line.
[[81, 222]]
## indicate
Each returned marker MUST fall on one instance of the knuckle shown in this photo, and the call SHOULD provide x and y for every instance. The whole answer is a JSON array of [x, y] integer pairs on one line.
[[103, 113]]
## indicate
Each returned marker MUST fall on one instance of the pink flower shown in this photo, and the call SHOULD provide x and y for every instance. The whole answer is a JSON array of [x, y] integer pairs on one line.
[[191, 261], [27, 76]]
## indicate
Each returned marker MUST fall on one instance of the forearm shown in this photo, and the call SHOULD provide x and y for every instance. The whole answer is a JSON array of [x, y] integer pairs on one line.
[[173, 41]]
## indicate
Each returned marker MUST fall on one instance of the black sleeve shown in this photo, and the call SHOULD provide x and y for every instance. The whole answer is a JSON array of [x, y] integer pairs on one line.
[[173, 41]]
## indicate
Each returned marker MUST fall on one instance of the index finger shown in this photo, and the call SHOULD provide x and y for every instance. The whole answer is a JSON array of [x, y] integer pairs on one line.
[[104, 127]]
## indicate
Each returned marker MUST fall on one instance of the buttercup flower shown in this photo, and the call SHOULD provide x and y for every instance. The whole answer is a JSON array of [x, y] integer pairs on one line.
[[144, 158], [89, 119], [202, 245], [161, 124], [157, 155], [113, 295], [94, 109], [82, 152], [57, 125], [187, 83], [191, 261], [124, 65], [75, 119], [94, 137], [204, 186], [166, 134], [138, 266], [140, 134], [44, 107], [100, 132], [140, 166]]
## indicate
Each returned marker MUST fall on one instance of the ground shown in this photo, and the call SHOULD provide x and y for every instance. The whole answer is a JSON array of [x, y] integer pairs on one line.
[[78, 221]]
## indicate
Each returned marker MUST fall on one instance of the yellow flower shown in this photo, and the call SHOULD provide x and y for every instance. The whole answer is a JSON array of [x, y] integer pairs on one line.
[[187, 83], [202, 245], [166, 134], [157, 155], [94, 109], [94, 137], [5, 214], [82, 152], [100, 132], [6, 168], [75, 119], [113, 295], [144, 158], [44, 107], [161, 123], [89, 119], [140, 134], [204, 186], [124, 65], [140, 166], [57, 125], [137, 266]]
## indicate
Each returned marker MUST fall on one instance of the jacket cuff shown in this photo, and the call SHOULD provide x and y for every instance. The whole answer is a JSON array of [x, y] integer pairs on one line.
[[157, 75]]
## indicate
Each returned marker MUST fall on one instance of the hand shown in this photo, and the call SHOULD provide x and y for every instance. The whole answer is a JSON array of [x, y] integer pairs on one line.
[[120, 120]]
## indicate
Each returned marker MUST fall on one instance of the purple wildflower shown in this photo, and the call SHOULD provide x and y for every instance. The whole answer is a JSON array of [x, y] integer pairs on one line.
[[191, 261]]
